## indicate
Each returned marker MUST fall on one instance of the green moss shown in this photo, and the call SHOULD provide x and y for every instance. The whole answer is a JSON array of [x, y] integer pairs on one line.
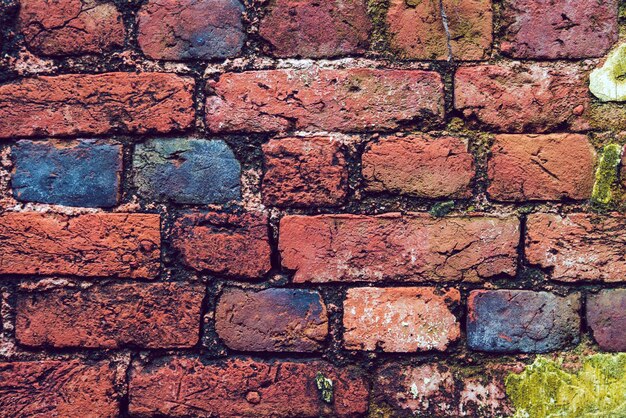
[[545, 389], [377, 11], [325, 387], [606, 174], [440, 209]]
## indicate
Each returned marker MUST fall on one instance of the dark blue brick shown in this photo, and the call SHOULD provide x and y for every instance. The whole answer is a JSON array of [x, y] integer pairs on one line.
[[524, 321], [82, 173], [190, 171]]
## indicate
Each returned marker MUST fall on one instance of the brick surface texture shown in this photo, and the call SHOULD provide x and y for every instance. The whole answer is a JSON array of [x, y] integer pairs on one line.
[[304, 208]]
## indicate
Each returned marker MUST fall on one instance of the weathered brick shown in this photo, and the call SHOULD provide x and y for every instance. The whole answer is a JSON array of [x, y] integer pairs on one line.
[[437, 390], [272, 320], [419, 165], [313, 29], [73, 173], [182, 387], [523, 97], [606, 316], [304, 172], [558, 28], [190, 29], [399, 320], [41, 389], [541, 167], [235, 245], [356, 99], [150, 315], [69, 27], [509, 321], [414, 247], [99, 244], [191, 171], [578, 247], [417, 29], [96, 104]]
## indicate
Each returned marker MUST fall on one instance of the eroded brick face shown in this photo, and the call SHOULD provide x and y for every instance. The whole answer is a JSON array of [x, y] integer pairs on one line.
[[606, 315]]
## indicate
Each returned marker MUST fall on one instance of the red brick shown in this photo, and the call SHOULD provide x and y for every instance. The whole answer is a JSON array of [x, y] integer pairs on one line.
[[523, 97], [399, 320], [417, 30], [606, 316], [182, 387], [66, 27], [304, 172], [419, 165], [413, 247], [99, 244], [272, 320], [356, 99], [96, 104], [225, 244], [559, 28], [42, 389], [623, 167], [152, 315], [541, 167], [578, 247], [313, 29]]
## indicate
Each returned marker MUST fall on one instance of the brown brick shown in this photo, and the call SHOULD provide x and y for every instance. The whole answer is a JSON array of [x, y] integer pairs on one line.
[[152, 315], [99, 244], [58, 389], [234, 245], [391, 247], [419, 165], [578, 247], [523, 97], [541, 167], [96, 104], [399, 320], [272, 320], [357, 99], [304, 172], [70, 27], [182, 387]]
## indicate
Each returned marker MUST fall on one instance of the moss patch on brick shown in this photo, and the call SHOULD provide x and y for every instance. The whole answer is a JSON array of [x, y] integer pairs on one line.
[[546, 389], [606, 174], [325, 387]]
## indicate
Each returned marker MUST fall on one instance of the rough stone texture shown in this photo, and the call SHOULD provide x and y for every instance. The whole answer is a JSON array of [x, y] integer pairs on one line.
[[435, 390], [399, 320], [523, 97], [357, 99], [541, 167], [419, 165], [147, 315], [77, 173], [578, 247], [190, 29], [606, 316], [96, 104], [304, 172], [510, 321], [414, 247], [99, 244], [70, 27], [558, 28], [182, 387], [417, 30], [42, 389], [234, 245], [272, 320], [313, 29], [190, 171]]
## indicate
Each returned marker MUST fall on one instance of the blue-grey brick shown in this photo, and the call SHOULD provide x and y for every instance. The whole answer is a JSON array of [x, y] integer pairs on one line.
[[82, 173], [509, 321], [189, 171]]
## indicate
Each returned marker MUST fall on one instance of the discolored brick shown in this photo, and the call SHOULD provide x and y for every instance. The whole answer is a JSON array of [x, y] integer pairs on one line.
[[606, 316]]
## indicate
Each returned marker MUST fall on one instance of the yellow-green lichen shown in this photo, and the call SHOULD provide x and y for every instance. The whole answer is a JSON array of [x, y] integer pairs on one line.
[[545, 389], [377, 10], [606, 174], [325, 387]]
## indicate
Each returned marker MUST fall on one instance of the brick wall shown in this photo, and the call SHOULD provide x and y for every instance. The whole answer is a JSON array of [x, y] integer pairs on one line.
[[298, 208]]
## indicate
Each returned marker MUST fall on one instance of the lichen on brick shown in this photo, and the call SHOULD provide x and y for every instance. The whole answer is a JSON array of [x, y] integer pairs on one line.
[[606, 174], [325, 387], [608, 83]]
